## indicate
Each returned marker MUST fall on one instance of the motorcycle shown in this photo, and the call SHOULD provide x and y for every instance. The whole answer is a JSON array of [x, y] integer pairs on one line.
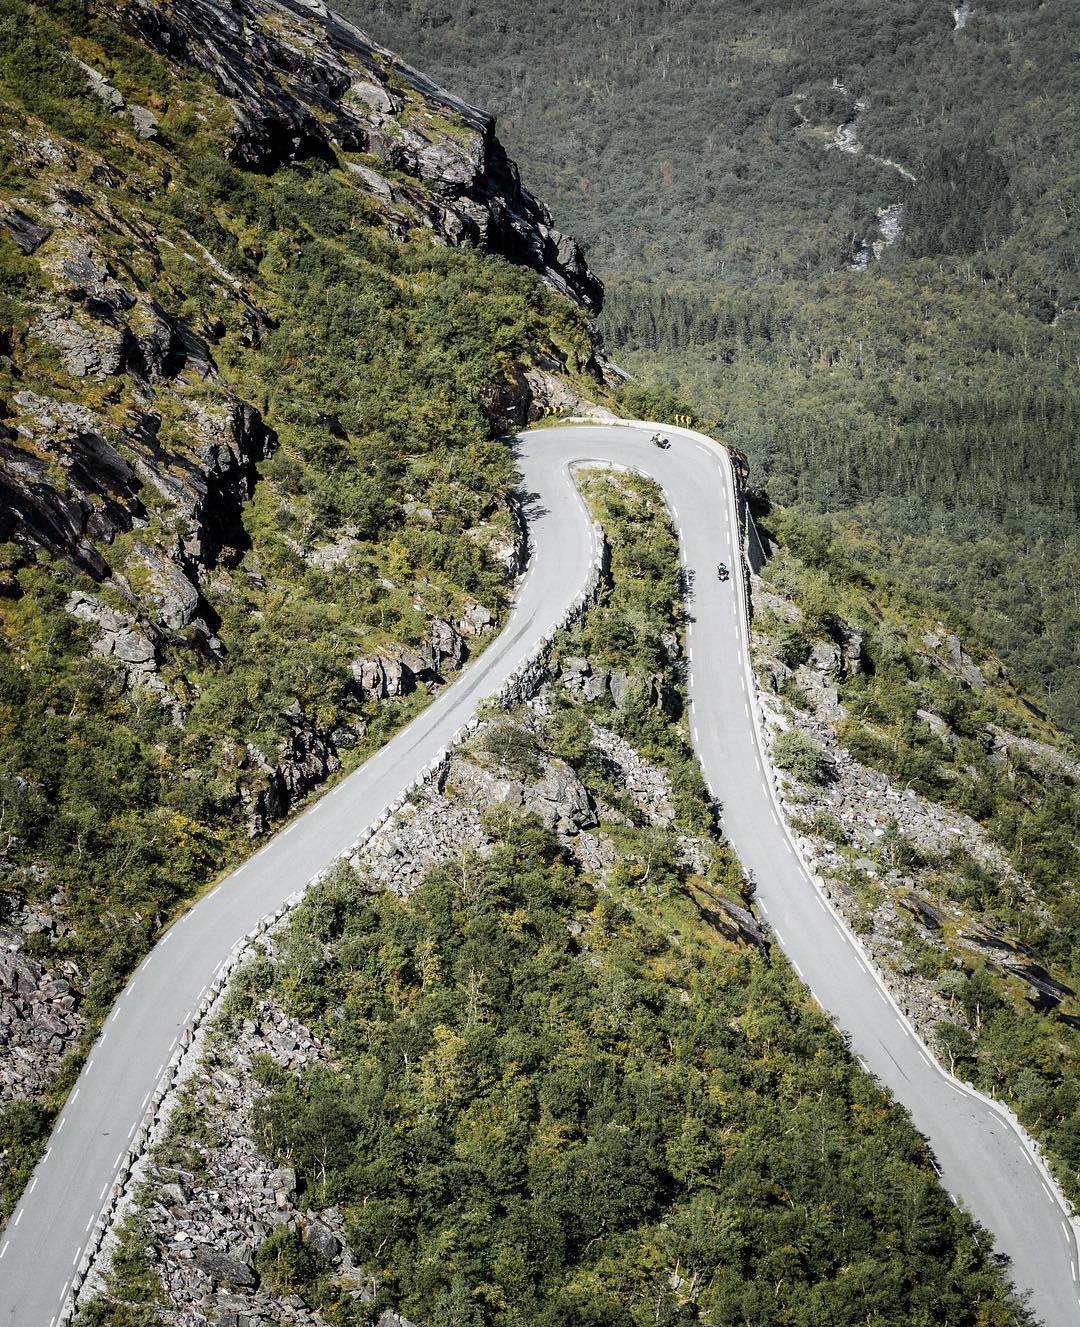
[[658, 440], [722, 572]]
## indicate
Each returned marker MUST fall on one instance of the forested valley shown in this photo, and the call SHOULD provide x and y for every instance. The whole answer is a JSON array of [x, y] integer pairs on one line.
[[730, 165]]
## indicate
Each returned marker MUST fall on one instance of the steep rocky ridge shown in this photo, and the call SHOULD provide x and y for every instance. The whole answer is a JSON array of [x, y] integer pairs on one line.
[[304, 82]]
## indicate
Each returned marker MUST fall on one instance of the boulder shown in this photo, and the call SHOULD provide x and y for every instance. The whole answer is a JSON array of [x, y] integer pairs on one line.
[[101, 88], [475, 621], [930, 916], [223, 1268], [962, 664], [322, 1239], [595, 684], [372, 181], [825, 658], [852, 658], [448, 645], [145, 121], [561, 800], [19, 975], [663, 695], [174, 599], [939, 727], [375, 96], [619, 686], [120, 637], [28, 234]]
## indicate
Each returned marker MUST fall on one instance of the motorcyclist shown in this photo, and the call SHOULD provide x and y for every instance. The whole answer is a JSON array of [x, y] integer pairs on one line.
[[722, 571]]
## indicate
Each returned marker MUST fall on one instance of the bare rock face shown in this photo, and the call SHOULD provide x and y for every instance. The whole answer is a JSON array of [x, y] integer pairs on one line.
[[303, 82], [381, 676], [98, 500], [27, 233], [728, 919], [267, 788], [476, 621], [175, 598]]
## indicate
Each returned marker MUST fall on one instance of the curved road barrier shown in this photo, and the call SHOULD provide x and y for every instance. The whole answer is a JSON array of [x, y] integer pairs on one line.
[[984, 1158]]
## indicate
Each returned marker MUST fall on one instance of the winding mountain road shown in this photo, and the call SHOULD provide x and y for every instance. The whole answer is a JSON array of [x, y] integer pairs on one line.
[[985, 1161]]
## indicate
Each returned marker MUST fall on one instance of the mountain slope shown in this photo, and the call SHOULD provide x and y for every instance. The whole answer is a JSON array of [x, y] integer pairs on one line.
[[257, 339]]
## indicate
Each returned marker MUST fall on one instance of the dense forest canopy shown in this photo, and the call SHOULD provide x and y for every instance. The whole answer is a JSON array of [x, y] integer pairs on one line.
[[845, 236]]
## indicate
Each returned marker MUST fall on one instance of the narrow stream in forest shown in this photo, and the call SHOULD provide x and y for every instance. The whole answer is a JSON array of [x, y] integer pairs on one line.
[[890, 217]]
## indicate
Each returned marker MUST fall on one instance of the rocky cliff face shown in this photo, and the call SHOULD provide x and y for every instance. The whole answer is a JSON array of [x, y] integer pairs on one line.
[[300, 84], [305, 83], [125, 450]]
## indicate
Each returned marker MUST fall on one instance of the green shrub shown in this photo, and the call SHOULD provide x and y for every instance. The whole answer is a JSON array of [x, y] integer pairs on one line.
[[792, 644], [802, 756], [286, 1264]]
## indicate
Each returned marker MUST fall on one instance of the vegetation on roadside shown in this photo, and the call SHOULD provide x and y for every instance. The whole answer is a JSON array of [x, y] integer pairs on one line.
[[971, 742]]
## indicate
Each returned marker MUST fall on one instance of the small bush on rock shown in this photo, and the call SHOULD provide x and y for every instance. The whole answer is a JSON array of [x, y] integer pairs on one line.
[[285, 1263], [802, 756]]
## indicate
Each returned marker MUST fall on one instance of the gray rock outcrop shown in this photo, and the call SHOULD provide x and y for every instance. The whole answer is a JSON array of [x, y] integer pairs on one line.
[[560, 799], [303, 81], [39, 1022], [268, 786], [398, 673]]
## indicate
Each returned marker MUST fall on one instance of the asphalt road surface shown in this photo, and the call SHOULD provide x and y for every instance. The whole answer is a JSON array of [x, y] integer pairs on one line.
[[984, 1160]]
